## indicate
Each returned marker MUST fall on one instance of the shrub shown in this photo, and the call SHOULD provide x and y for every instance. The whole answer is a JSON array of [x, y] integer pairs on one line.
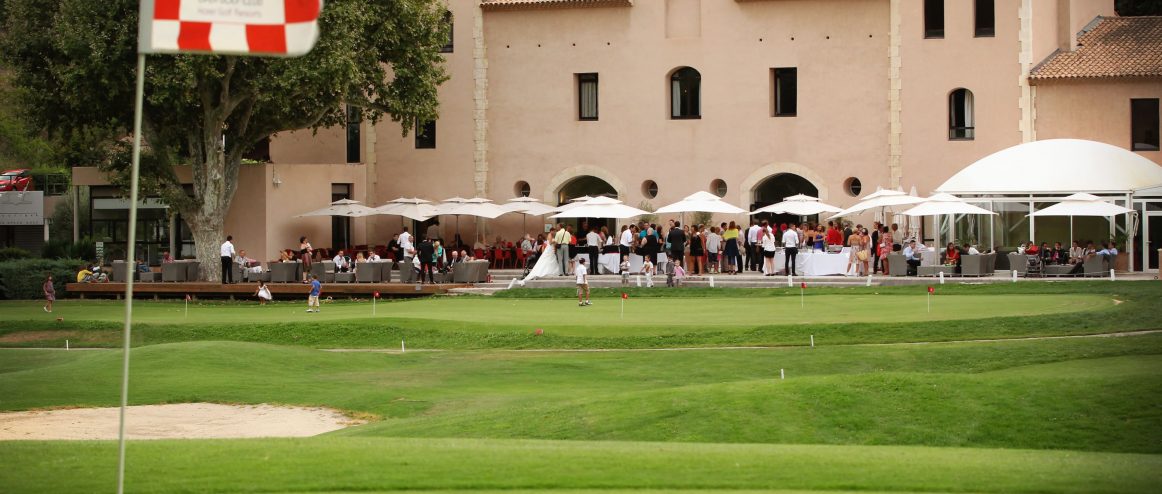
[[24, 278], [63, 249], [11, 253]]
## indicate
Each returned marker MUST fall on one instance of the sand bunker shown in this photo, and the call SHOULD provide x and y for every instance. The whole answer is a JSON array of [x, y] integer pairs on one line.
[[179, 421]]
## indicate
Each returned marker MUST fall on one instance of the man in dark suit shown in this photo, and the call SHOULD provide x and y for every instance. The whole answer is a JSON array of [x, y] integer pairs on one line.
[[427, 253]]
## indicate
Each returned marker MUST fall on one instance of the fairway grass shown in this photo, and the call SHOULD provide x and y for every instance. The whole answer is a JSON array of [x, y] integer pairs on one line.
[[684, 396], [341, 464]]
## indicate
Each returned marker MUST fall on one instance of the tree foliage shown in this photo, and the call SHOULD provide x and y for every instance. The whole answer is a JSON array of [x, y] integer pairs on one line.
[[75, 61]]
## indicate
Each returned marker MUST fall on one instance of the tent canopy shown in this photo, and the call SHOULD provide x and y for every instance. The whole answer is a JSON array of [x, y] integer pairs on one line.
[[1056, 166]]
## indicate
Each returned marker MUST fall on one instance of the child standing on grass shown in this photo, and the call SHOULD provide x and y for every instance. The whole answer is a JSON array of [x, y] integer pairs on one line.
[[624, 268], [582, 273], [313, 298], [49, 293], [648, 270], [263, 293]]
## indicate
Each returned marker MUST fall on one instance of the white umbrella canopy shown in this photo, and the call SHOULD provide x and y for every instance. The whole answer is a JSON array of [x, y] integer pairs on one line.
[[880, 199], [413, 208], [482, 209], [342, 207], [701, 202], [800, 205], [599, 209], [532, 208], [1082, 204], [597, 201], [940, 204]]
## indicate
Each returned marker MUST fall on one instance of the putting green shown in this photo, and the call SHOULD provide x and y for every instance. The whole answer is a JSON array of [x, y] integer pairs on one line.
[[643, 316]]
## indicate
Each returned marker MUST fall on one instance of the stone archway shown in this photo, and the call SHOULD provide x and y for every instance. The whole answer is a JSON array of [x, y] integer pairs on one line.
[[565, 177], [746, 192]]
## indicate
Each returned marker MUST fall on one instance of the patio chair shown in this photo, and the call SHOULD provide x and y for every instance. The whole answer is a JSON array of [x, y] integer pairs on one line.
[[897, 265], [1018, 263]]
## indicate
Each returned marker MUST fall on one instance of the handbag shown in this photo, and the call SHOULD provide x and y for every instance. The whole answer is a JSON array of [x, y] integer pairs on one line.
[[861, 255]]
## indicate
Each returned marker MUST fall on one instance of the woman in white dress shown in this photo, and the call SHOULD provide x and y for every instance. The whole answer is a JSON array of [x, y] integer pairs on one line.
[[546, 265]]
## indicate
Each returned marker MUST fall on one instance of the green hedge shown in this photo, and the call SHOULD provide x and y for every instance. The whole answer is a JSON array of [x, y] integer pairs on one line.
[[10, 253], [24, 278]]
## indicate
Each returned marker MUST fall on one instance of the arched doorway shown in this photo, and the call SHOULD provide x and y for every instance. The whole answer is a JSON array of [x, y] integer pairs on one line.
[[777, 187], [585, 185]]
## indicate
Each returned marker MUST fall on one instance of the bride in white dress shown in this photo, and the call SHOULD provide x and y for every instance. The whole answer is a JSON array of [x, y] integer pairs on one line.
[[546, 265]]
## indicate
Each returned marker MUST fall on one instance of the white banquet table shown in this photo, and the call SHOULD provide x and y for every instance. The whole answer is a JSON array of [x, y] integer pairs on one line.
[[816, 263]]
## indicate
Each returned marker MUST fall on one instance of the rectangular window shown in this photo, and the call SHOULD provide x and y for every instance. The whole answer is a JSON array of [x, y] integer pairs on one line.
[[1144, 124], [933, 18], [426, 134], [986, 19], [354, 118], [786, 91], [587, 96], [447, 48]]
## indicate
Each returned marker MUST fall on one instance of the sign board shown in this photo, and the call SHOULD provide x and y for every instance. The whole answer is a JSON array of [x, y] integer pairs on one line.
[[118, 203], [22, 208], [282, 28]]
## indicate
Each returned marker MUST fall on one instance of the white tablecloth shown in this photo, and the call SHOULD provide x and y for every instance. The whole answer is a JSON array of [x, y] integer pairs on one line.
[[816, 263], [609, 263]]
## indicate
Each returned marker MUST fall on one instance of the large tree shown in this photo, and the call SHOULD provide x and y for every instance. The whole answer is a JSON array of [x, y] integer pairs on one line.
[[75, 60]]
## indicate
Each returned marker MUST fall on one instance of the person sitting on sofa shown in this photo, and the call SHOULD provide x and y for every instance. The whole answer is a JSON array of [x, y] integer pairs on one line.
[[340, 261], [912, 256]]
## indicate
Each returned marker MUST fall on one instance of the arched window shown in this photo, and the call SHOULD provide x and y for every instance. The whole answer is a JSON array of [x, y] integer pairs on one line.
[[960, 115], [685, 94]]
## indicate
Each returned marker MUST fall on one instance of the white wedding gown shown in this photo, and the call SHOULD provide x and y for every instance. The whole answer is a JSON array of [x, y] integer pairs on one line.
[[545, 267]]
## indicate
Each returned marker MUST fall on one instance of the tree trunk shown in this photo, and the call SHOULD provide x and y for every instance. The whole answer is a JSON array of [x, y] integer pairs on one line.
[[214, 184]]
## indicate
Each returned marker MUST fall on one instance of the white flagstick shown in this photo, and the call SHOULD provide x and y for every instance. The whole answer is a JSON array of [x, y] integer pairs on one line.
[[373, 305], [623, 307], [812, 341], [942, 277], [402, 347], [187, 305], [929, 302], [131, 247], [66, 344], [801, 303], [781, 374]]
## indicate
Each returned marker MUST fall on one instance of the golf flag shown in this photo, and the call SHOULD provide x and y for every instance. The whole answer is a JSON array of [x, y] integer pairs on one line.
[[187, 297], [279, 28], [624, 296], [803, 286], [376, 294], [931, 290]]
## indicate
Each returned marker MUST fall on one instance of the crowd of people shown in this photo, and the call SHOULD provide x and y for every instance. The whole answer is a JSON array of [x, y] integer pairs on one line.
[[728, 247]]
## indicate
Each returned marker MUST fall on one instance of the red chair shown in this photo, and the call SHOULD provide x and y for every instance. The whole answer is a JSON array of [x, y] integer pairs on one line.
[[520, 258], [479, 254], [505, 258]]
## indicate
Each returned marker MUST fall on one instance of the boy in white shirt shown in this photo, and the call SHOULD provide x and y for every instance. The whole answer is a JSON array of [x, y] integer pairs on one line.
[[582, 273], [624, 269], [648, 270]]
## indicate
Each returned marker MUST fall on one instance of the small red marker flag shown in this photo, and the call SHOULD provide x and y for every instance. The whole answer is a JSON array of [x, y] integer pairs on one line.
[[187, 296], [802, 285], [624, 296], [931, 290], [376, 294]]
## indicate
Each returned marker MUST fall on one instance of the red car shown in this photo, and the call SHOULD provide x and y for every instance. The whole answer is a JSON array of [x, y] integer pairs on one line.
[[16, 180]]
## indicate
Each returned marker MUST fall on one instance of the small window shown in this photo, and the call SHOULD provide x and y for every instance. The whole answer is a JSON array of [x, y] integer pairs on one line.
[[786, 91], [933, 18], [685, 94], [426, 134], [586, 96], [521, 189], [447, 48], [1144, 124], [354, 118], [960, 117], [986, 19], [718, 187], [852, 186], [650, 189]]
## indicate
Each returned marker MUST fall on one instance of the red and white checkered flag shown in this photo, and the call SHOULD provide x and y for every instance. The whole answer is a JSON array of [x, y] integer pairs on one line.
[[283, 28]]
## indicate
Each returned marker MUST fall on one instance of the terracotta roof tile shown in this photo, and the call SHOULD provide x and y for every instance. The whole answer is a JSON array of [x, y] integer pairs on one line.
[[1116, 47], [493, 5]]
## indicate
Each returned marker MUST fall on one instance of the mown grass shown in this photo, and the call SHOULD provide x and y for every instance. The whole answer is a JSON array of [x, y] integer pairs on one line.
[[655, 318], [1054, 415], [344, 464], [944, 394]]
